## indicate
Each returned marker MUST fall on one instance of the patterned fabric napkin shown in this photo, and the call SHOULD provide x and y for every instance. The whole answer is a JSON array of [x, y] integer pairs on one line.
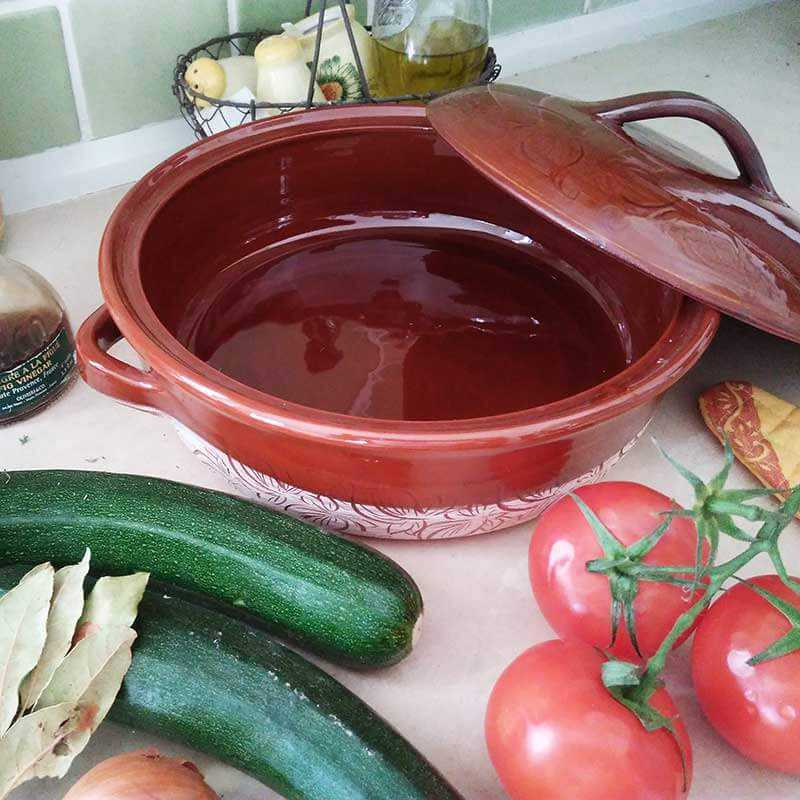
[[764, 431]]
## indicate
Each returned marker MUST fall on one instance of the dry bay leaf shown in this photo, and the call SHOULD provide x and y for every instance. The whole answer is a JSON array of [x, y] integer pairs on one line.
[[90, 677], [30, 739], [65, 611], [113, 601], [23, 631]]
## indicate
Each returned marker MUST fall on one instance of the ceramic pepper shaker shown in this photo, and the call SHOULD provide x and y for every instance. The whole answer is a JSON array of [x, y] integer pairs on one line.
[[283, 76]]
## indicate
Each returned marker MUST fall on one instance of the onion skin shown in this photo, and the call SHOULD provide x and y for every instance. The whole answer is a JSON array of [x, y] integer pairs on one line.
[[142, 775]]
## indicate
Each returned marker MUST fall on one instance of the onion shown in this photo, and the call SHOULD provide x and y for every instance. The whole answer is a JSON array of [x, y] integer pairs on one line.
[[143, 775]]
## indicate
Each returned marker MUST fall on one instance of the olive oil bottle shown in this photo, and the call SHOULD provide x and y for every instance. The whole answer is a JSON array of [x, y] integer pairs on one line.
[[429, 46]]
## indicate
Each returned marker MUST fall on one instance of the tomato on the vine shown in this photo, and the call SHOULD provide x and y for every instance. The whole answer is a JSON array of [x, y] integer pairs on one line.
[[755, 707], [554, 732], [578, 603]]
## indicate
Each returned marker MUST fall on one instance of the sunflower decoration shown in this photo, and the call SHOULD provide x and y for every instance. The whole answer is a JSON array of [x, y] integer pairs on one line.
[[338, 80]]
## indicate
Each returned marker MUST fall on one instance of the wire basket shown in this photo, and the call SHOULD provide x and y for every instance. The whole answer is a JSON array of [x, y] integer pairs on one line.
[[220, 114]]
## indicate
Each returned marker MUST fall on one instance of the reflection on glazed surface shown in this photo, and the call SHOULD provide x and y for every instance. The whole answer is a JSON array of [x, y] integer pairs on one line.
[[731, 243], [408, 323], [260, 193]]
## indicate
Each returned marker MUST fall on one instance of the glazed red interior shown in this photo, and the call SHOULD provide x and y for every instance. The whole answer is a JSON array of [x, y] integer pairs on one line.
[[303, 268]]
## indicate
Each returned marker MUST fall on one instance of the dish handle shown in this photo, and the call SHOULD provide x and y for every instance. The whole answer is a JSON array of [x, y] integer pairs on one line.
[[109, 375], [652, 105]]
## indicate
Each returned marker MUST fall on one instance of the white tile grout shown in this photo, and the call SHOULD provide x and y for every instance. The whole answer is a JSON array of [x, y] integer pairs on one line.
[[78, 91], [233, 16], [10, 6]]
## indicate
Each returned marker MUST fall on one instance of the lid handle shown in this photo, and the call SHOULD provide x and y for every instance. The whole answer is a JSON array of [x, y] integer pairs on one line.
[[651, 105]]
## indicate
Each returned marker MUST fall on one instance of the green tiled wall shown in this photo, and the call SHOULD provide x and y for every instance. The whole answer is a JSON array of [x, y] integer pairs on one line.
[[123, 53], [127, 51], [269, 14], [36, 106], [514, 15]]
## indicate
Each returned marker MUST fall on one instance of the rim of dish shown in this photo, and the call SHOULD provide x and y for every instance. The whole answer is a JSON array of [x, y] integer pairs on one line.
[[644, 379]]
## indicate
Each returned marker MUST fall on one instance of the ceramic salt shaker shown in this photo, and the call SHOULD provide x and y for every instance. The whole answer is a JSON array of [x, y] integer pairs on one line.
[[221, 78], [283, 75]]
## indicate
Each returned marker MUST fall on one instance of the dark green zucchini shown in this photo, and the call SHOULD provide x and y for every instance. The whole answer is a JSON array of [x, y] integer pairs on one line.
[[336, 598], [224, 688]]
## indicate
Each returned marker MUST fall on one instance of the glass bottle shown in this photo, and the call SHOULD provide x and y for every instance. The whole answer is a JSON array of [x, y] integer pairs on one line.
[[37, 353], [426, 46]]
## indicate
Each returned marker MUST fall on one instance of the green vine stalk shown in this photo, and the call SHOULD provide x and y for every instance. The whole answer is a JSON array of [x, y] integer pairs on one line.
[[715, 511]]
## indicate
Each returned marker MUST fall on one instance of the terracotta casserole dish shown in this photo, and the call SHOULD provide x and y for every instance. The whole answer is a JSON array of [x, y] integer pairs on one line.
[[361, 324]]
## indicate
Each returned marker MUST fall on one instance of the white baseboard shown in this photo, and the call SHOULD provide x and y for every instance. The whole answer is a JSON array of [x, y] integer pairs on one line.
[[89, 166], [77, 169], [590, 33]]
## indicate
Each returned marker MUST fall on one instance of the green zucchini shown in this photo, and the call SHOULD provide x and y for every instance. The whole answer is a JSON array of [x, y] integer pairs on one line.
[[338, 599], [222, 687]]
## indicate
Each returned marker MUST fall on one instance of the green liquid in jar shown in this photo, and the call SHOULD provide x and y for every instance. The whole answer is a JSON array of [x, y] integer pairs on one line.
[[440, 56]]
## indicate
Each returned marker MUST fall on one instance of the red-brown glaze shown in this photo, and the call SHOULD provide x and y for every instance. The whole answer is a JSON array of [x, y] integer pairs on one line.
[[730, 243], [411, 324], [260, 189]]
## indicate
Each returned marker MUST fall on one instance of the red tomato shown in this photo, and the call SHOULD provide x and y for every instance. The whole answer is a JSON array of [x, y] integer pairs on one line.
[[555, 733], [757, 709], [576, 602]]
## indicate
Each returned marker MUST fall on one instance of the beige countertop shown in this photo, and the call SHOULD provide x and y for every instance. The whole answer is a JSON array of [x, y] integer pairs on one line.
[[480, 612]]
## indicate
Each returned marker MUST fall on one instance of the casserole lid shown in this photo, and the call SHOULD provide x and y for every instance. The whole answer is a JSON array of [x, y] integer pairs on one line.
[[731, 243]]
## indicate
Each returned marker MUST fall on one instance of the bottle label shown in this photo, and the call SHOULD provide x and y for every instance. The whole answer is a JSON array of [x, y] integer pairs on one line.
[[394, 16], [27, 385]]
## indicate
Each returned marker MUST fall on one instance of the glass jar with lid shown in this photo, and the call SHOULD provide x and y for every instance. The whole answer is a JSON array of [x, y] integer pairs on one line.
[[426, 46]]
